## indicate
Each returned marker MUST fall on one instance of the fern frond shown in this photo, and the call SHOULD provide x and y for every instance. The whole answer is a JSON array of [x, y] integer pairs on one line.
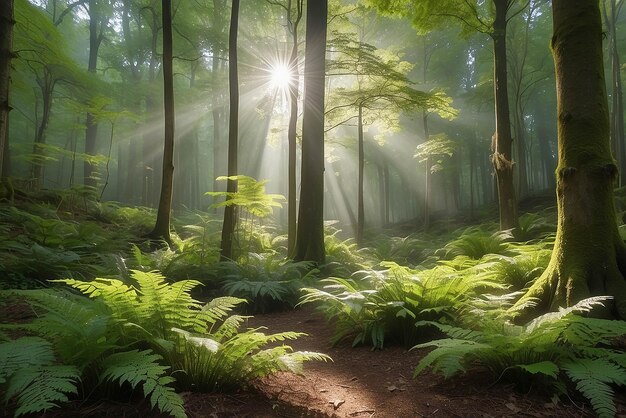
[[23, 352], [584, 305], [547, 368], [27, 367], [137, 367], [41, 388], [449, 357], [592, 377]]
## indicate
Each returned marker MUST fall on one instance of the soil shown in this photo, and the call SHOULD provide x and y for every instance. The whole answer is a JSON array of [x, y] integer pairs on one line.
[[358, 383]]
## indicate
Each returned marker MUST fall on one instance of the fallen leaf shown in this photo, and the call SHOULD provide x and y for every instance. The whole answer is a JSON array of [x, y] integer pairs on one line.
[[391, 388]]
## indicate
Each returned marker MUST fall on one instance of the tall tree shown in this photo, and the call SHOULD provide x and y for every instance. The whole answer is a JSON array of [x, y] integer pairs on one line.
[[380, 93], [97, 24], [230, 218], [617, 100], [6, 53], [589, 256], [310, 235], [490, 18], [162, 227]]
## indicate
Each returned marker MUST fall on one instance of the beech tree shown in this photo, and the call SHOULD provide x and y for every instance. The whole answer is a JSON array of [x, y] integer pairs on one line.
[[589, 256], [310, 234]]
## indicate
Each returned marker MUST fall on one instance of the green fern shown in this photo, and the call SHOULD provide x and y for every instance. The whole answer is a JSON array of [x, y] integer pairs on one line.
[[137, 367], [377, 305], [28, 373], [545, 351], [266, 281]]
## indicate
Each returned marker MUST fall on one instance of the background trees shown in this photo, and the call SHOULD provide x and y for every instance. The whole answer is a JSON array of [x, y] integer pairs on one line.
[[54, 89]]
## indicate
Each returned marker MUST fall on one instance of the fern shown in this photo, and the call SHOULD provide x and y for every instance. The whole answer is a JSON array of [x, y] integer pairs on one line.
[[29, 373], [550, 349], [377, 305], [137, 367]]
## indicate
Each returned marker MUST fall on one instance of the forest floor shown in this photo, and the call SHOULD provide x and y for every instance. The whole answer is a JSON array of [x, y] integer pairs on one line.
[[358, 383]]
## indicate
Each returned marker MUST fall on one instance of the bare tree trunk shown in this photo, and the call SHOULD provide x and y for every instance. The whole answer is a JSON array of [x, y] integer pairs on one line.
[[96, 34], [6, 54], [230, 218], [292, 191], [502, 143], [310, 237], [162, 227], [360, 205]]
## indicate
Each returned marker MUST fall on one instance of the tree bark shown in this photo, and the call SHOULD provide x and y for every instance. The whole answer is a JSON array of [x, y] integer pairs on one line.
[[91, 127], [502, 144], [360, 226], [6, 44], [162, 227], [617, 108], [589, 257], [230, 218], [292, 130], [310, 236]]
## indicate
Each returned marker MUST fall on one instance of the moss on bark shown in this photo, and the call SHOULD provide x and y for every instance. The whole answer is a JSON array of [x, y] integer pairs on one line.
[[589, 257]]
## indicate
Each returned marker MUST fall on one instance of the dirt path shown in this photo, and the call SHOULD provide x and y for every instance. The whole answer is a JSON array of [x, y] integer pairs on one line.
[[365, 383], [358, 383]]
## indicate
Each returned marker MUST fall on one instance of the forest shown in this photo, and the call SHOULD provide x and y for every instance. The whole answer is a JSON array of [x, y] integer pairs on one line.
[[333, 208]]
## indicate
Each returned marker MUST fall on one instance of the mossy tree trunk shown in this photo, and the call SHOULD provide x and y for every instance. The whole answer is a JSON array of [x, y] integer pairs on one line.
[[589, 257]]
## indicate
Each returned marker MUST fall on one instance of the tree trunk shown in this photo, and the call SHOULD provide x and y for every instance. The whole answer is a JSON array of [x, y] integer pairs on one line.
[[46, 85], [310, 236], [162, 227], [428, 178], [91, 127], [502, 143], [6, 53], [617, 108], [360, 205], [589, 257], [292, 191], [230, 218]]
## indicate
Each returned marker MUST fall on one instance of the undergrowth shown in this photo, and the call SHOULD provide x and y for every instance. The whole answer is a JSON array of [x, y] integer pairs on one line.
[[559, 351], [143, 332]]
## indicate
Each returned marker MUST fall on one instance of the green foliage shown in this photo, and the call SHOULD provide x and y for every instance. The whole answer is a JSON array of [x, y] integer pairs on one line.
[[375, 306], [28, 372], [250, 196], [137, 331], [410, 250], [143, 367], [475, 243], [533, 226], [266, 280], [438, 149], [518, 271], [551, 350]]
